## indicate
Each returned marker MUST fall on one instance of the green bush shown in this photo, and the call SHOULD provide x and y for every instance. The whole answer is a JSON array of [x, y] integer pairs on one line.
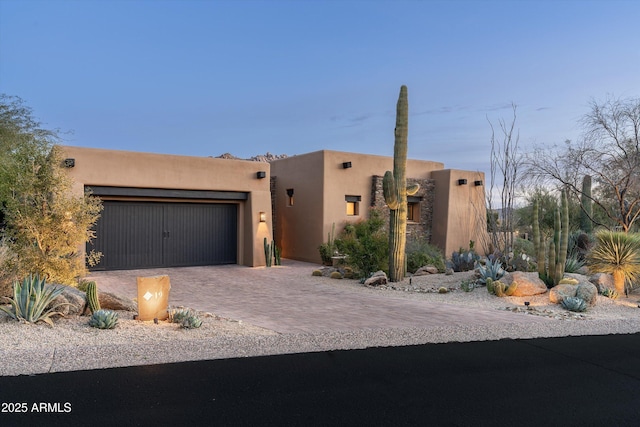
[[366, 245], [420, 253]]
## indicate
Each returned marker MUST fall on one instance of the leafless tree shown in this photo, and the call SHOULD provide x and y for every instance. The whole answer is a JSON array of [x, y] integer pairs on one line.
[[506, 161], [609, 151]]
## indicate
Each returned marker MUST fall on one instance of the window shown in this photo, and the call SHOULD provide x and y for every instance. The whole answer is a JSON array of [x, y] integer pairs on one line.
[[353, 205], [413, 209]]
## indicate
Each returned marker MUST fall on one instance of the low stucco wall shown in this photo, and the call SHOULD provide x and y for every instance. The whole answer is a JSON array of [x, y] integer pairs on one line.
[[111, 168]]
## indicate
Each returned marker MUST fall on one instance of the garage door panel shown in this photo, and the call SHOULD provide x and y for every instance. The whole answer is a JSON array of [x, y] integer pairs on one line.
[[134, 236], [201, 234], [145, 235]]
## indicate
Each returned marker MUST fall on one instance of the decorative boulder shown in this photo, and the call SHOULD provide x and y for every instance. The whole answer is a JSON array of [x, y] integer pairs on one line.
[[109, 301], [426, 270], [528, 283], [588, 292], [602, 281], [74, 301], [378, 278], [559, 292]]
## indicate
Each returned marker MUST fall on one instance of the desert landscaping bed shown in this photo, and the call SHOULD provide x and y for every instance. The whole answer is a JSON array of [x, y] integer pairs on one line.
[[72, 344]]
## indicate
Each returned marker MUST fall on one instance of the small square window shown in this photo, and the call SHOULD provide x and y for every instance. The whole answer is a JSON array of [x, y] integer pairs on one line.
[[353, 205], [352, 208]]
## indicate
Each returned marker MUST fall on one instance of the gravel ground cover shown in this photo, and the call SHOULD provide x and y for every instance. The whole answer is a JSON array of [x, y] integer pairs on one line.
[[73, 345]]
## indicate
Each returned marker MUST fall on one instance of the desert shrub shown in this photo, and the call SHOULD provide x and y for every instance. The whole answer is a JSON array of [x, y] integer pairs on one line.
[[366, 245], [463, 260], [336, 275], [420, 253], [8, 275], [580, 243]]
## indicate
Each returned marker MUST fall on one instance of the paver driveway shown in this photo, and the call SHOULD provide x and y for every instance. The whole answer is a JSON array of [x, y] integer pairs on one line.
[[288, 299]]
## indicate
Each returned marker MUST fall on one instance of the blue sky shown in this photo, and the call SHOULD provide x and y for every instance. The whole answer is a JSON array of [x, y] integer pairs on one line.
[[246, 77]]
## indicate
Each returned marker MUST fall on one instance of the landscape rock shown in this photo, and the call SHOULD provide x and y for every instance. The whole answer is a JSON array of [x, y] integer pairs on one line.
[[559, 292], [602, 281], [378, 278], [588, 292], [110, 301], [528, 283], [74, 301], [426, 270]]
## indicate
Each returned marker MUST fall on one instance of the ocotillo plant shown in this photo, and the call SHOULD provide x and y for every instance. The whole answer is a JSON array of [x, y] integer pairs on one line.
[[551, 270], [586, 213], [394, 185]]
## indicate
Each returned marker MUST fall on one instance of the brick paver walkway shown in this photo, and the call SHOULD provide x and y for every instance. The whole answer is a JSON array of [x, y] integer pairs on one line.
[[288, 299]]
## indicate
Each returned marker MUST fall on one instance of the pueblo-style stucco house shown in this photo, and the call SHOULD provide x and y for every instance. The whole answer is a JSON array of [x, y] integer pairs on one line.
[[314, 191], [170, 211]]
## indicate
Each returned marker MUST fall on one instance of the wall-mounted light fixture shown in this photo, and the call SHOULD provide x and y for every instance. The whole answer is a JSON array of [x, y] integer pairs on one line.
[[346, 165], [263, 217], [462, 182], [69, 163], [261, 174], [290, 192], [478, 183]]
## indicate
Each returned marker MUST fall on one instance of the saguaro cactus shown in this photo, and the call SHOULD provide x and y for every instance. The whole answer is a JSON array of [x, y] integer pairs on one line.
[[586, 213], [394, 185]]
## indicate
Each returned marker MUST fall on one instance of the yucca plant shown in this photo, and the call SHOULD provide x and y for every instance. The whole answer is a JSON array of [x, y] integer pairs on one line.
[[618, 254], [32, 300], [573, 264]]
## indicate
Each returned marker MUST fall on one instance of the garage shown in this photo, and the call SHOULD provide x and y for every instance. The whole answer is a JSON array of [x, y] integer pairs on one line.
[[138, 234]]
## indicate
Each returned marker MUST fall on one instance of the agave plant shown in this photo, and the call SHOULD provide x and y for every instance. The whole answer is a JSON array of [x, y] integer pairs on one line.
[[492, 269], [177, 315], [32, 300], [104, 319], [618, 254], [191, 322], [574, 304]]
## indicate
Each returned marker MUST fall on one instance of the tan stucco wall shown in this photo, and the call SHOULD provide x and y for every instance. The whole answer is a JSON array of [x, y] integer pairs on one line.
[[299, 227], [321, 183], [459, 213], [100, 167]]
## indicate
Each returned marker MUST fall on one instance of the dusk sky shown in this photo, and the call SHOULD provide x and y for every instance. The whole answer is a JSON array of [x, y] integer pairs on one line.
[[246, 77]]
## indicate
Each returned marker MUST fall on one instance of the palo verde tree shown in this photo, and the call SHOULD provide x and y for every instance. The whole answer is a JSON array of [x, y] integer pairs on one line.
[[609, 152], [45, 223], [394, 185]]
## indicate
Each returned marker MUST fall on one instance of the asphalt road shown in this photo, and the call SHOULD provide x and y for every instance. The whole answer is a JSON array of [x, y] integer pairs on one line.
[[585, 381]]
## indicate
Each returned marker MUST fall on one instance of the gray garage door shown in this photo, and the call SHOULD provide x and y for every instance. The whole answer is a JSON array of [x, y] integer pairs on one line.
[[145, 235]]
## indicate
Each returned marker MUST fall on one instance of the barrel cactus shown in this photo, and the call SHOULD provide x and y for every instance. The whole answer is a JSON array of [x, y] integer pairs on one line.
[[394, 185], [104, 319]]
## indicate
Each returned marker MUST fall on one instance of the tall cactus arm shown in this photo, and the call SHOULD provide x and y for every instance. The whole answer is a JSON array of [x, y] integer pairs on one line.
[[390, 191], [412, 189]]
